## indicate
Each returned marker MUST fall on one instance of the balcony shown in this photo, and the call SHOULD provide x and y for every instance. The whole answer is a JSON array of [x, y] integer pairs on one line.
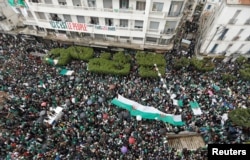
[[87, 11], [30, 21], [157, 14]]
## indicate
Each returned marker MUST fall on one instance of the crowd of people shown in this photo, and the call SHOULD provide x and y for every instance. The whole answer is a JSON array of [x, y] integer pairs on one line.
[[91, 127]]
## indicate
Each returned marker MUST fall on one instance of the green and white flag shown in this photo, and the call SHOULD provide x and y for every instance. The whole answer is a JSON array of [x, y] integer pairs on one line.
[[146, 112], [195, 108], [66, 72], [178, 102], [52, 61], [42, 85]]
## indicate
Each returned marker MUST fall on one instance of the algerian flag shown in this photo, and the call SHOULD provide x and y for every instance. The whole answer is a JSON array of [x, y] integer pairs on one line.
[[178, 102], [42, 84], [52, 61], [195, 107], [146, 112], [66, 72]]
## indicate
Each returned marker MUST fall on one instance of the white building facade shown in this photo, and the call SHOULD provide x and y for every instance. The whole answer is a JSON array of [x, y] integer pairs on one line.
[[145, 23], [225, 28]]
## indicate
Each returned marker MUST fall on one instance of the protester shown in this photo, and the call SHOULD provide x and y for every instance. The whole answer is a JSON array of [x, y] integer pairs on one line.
[[91, 127]]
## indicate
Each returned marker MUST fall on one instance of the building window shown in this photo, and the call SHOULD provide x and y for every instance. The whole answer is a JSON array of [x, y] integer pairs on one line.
[[123, 23], [110, 36], [151, 39], [67, 18], [248, 52], [138, 24], [228, 47], [238, 35], [92, 3], [108, 21], [164, 41], [214, 48], [48, 1], [169, 27], [124, 4], [248, 38], [236, 14], [175, 8], [94, 20], [30, 14], [233, 19], [208, 6], [55, 17], [137, 38], [247, 21], [40, 15], [107, 4], [80, 19], [140, 5], [62, 2], [241, 46], [157, 6], [124, 37], [224, 32], [154, 25], [77, 3]]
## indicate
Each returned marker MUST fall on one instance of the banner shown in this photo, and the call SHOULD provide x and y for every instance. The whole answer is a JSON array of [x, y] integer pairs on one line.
[[146, 112]]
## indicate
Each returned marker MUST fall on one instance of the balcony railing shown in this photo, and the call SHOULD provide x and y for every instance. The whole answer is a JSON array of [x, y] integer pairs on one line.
[[153, 30], [86, 8]]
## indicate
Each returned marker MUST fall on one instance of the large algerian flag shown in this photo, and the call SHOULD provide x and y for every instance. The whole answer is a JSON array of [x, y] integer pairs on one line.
[[66, 72], [146, 112], [52, 61], [195, 107]]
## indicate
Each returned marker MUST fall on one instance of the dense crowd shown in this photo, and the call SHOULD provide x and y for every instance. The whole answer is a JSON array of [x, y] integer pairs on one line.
[[84, 132]]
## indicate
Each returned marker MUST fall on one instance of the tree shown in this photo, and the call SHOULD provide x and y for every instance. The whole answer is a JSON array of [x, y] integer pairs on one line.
[[240, 117]]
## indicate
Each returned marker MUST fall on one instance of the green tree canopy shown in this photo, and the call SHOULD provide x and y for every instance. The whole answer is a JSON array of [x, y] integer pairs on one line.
[[240, 117]]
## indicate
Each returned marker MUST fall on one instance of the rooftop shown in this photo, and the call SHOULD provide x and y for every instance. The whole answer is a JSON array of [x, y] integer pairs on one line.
[[242, 2]]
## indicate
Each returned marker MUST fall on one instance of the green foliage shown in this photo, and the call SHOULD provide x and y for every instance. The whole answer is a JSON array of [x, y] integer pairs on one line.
[[146, 63], [240, 117], [202, 65], [105, 55], [85, 53], [182, 62], [150, 72], [120, 57], [64, 56], [149, 59], [104, 66], [54, 53], [245, 74], [241, 60], [245, 68], [228, 77]]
